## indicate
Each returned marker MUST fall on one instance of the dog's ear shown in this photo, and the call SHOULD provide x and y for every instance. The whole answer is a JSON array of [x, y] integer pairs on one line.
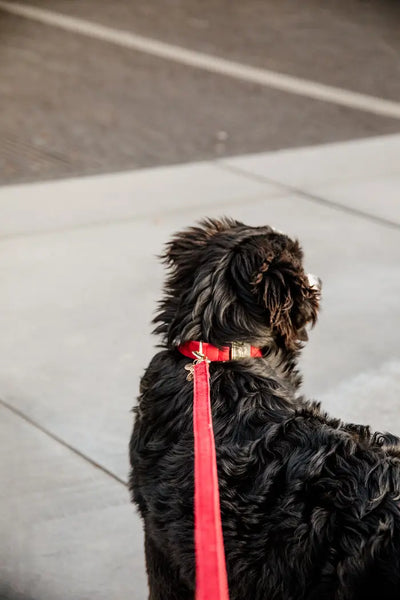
[[272, 265], [292, 301]]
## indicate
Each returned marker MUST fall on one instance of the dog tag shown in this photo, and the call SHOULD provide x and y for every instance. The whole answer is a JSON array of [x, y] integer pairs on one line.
[[190, 368], [240, 350]]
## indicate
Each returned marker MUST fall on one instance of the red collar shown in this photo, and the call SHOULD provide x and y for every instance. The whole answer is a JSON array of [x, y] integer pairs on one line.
[[234, 351]]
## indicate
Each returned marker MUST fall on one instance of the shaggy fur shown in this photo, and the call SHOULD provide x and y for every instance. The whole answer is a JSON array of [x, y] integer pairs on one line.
[[310, 505]]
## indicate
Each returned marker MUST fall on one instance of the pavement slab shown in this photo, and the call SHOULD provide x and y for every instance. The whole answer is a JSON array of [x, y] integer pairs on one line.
[[361, 175], [134, 195], [67, 530], [79, 287]]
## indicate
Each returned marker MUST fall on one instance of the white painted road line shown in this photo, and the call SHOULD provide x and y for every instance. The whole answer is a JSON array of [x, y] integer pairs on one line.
[[207, 62]]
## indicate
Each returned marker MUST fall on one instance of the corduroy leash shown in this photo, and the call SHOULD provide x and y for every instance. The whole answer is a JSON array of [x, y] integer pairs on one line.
[[211, 577]]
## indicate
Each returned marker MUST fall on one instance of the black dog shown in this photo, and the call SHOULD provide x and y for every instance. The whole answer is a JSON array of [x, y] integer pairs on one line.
[[310, 506]]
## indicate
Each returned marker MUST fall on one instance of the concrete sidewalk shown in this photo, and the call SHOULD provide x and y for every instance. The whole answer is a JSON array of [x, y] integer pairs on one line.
[[79, 282]]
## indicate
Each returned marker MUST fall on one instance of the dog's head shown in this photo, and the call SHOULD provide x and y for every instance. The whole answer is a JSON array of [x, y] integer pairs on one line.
[[230, 282]]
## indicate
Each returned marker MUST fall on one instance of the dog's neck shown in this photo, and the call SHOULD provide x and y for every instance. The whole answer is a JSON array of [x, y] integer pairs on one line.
[[275, 362], [277, 368]]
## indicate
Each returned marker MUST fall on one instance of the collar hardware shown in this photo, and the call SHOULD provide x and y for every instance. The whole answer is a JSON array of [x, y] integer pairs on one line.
[[199, 351], [240, 350]]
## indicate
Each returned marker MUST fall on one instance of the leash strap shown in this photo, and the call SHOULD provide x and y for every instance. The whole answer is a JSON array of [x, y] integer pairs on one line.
[[211, 577]]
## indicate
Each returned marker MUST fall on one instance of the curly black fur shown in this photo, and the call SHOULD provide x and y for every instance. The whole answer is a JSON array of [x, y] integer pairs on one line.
[[310, 506]]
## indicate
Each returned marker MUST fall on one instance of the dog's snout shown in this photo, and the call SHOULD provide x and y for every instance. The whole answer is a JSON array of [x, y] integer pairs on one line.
[[314, 281]]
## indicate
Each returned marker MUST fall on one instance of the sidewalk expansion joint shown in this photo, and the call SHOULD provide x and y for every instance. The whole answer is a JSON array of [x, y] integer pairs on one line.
[[60, 441], [355, 212]]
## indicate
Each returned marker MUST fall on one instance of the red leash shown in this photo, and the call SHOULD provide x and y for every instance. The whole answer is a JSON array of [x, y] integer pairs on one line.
[[211, 578]]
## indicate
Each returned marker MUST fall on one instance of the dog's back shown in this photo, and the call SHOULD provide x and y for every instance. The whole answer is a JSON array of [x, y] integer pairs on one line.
[[310, 506]]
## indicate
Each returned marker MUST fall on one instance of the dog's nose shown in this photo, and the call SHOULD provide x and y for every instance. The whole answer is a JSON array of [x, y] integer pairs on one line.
[[314, 281]]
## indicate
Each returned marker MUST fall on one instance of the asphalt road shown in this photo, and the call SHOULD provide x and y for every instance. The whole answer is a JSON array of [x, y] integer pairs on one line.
[[73, 105]]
